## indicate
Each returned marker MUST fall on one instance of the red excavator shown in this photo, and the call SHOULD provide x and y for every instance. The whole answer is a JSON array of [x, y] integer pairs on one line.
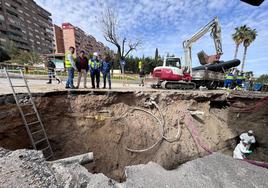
[[172, 75]]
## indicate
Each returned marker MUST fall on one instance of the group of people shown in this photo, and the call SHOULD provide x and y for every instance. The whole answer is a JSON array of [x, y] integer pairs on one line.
[[236, 79], [96, 65], [244, 147]]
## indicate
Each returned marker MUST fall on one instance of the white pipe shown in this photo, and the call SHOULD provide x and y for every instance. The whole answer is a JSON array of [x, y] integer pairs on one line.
[[81, 159]]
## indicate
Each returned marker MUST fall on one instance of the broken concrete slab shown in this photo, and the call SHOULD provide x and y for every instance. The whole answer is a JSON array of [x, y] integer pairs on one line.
[[27, 168], [216, 170]]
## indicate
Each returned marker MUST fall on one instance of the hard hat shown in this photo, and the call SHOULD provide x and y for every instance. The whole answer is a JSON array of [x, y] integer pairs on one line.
[[250, 131], [95, 54]]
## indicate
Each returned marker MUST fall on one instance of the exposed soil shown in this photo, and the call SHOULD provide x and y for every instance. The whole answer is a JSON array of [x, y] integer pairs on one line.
[[79, 123]]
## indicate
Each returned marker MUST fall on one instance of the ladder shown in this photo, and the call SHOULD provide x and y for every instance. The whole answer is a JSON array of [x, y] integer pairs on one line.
[[31, 118]]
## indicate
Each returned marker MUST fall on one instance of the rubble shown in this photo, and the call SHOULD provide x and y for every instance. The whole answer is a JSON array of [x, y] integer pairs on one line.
[[27, 168], [215, 170]]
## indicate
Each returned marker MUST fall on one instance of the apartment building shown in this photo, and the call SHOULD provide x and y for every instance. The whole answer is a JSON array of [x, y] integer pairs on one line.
[[76, 37], [26, 25], [58, 39]]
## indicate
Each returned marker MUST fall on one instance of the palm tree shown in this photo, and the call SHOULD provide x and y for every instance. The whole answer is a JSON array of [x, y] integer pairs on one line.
[[250, 36], [239, 37]]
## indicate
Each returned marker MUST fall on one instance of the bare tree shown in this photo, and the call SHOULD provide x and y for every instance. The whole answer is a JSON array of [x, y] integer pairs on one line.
[[109, 25]]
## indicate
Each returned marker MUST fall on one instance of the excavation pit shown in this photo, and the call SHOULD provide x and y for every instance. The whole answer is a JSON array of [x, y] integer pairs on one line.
[[105, 123]]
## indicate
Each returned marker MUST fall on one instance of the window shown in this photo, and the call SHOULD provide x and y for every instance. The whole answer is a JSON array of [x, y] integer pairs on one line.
[[13, 7], [2, 18], [19, 3]]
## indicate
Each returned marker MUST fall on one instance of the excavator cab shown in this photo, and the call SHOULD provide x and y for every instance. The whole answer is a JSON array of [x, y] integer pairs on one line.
[[173, 62]]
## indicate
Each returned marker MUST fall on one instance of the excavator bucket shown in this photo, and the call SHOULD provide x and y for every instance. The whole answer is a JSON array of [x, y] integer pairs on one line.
[[204, 59], [202, 56]]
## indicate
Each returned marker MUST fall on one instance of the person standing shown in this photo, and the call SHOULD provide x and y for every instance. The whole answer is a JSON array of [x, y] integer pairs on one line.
[[82, 67], [95, 67], [229, 79], [106, 67], [122, 65], [71, 67], [141, 77], [51, 72]]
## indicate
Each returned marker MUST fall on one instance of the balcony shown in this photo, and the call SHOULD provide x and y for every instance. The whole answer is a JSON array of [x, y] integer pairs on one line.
[[17, 38], [12, 13]]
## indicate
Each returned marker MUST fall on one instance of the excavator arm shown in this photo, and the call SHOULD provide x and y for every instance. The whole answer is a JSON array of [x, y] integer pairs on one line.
[[215, 32]]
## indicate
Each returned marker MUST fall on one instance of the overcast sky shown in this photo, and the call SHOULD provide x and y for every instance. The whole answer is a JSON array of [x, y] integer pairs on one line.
[[165, 24]]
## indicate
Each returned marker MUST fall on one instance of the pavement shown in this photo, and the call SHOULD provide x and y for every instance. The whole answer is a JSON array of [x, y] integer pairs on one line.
[[41, 86]]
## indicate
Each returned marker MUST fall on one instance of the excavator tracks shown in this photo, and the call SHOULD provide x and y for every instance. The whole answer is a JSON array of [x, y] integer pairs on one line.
[[178, 85]]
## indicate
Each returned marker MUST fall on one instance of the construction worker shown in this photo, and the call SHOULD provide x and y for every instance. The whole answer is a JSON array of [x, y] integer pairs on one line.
[[240, 79], [241, 150], [51, 72], [95, 67], [71, 67], [141, 77], [229, 80], [106, 67], [248, 138]]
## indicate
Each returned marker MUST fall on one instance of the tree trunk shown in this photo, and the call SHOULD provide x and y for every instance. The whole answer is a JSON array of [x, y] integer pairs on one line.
[[244, 58], [236, 51]]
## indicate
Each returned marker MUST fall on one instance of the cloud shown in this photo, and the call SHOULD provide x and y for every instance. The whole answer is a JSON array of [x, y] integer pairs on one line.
[[165, 24]]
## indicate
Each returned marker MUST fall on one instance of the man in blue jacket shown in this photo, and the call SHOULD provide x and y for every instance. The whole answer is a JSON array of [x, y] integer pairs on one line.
[[106, 67]]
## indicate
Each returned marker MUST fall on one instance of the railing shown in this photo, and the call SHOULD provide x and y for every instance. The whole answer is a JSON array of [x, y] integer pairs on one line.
[[42, 71]]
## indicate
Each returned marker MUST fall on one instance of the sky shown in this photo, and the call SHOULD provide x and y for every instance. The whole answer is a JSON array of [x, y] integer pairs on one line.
[[165, 24]]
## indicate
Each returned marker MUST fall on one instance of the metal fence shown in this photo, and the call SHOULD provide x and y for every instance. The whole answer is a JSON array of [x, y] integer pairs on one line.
[[33, 70]]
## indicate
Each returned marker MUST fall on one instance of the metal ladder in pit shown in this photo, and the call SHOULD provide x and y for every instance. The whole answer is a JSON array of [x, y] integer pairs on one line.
[[35, 128]]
